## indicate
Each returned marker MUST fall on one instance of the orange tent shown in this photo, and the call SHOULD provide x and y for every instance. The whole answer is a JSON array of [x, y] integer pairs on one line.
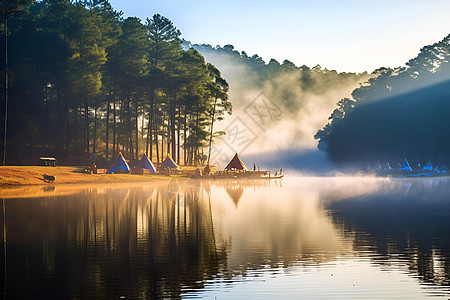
[[236, 163]]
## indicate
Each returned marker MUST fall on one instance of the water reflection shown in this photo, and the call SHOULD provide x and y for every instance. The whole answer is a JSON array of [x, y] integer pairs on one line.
[[273, 226], [336, 236], [140, 242], [408, 220]]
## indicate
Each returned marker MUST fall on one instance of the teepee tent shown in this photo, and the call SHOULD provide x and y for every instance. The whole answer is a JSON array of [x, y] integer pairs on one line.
[[207, 170], [387, 166], [236, 163], [405, 166], [168, 163], [377, 166], [119, 163], [145, 163], [428, 166]]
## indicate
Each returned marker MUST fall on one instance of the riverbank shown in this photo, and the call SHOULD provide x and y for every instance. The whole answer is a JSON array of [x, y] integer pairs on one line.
[[16, 176]]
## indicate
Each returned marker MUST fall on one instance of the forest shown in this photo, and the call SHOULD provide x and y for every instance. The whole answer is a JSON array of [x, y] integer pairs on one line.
[[302, 96], [82, 83], [399, 113], [289, 84]]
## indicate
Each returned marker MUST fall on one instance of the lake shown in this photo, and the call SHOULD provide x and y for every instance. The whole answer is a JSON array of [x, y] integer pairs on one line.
[[303, 237]]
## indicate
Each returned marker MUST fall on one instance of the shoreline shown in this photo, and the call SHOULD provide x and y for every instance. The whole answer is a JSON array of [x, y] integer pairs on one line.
[[28, 181], [19, 176]]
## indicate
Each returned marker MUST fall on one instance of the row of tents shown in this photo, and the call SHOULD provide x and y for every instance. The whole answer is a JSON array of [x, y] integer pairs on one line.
[[144, 164], [406, 167], [168, 164]]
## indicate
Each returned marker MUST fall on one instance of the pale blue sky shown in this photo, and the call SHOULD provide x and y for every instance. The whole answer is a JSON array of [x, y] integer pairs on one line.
[[346, 35]]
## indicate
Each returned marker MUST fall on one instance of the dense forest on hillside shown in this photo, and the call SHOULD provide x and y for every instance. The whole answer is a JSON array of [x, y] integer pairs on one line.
[[84, 82], [401, 112], [285, 81], [304, 95]]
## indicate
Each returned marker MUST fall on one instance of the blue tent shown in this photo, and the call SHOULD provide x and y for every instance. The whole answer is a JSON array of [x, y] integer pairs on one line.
[[119, 163], [377, 166], [406, 166], [428, 166], [145, 163]]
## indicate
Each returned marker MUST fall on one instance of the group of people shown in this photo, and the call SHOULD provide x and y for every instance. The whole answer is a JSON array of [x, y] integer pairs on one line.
[[281, 172], [276, 171]]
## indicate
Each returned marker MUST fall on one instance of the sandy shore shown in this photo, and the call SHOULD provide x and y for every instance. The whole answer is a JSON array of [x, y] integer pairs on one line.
[[15, 176], [28, 181]]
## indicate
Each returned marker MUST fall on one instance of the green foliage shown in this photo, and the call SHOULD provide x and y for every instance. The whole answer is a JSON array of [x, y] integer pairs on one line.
[[431, 66], [86, 77], [80, 73], [13, 6]]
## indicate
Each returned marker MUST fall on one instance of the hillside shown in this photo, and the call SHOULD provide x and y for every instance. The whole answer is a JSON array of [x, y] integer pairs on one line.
[[399, 112], [282, 103], [413, 125]]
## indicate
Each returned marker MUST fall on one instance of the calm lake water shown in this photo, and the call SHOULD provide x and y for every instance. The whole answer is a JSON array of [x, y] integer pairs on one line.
[[309, 238]]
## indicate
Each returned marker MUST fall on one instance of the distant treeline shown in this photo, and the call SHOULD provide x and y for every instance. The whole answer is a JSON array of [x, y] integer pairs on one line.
[[304, 96], [287, 84], [84, 80], [261, 71], [401, 112]]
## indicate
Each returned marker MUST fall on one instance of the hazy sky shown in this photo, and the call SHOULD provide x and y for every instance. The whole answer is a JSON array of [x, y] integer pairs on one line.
[[345, 35]]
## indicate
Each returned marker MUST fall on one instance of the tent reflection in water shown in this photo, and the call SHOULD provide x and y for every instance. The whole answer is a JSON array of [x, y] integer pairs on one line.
[[145, 166], [235, 192], [236, 164], [119, 164]]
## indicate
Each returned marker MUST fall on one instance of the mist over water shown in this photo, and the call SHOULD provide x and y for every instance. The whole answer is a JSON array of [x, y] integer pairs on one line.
[[305, 162]]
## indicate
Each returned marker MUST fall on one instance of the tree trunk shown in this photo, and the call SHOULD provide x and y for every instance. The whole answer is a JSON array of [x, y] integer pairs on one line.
[[5, 119], [129, 131], [172, 126], [212, 125], [94, 139], [107, 130], [191, 148], [156, 139], [142, 124], [196, 153], [82, 136], [119, 136], [137, 130], [107, 119], [66, 126], [162, 138], [150, 125], [76, 147], [114, 126], [86, 116], [185, 136], [178, 134]]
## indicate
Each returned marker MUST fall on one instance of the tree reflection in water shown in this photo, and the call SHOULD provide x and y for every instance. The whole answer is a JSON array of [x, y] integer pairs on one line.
[[403, 221], [106, 242]]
